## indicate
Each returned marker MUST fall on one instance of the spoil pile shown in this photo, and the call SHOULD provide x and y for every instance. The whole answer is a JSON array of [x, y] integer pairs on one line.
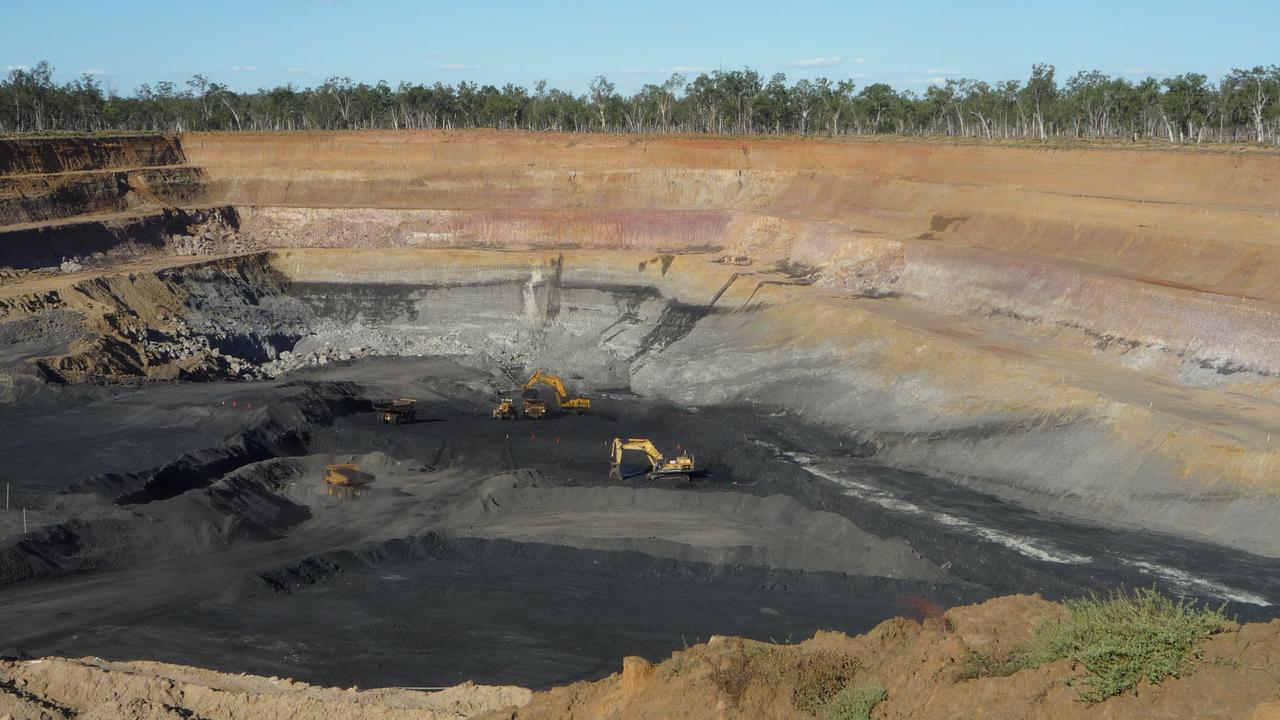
[[58, 688]]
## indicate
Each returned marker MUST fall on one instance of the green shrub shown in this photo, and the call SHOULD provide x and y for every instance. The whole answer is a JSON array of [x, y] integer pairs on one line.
[[1119, 640], [979, 665], [1127, 637], [853, 703]]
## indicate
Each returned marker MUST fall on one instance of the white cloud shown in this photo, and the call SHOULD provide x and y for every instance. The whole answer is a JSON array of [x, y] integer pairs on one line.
[[16, 67], [435, 53], [95, 71], [918, 80], [633, 71], [859, 61], [1143, 71], [940, 71], [459, 66], [686, 69], [296, 70], [243, 68], [815, 62]]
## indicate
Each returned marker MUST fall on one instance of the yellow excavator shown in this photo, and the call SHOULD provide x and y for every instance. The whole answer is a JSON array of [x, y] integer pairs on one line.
[[534, 408], [659, 465]]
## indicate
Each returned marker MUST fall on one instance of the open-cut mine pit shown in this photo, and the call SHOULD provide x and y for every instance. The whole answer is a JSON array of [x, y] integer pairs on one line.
[[906, 371]]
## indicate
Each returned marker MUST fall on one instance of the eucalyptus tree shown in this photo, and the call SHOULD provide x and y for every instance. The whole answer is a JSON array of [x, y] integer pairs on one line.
[[1255, 91], [805, 98], [602, 95], [836, 99], [1185, 104], [1189, 107], [878, 101], [1041, 92]]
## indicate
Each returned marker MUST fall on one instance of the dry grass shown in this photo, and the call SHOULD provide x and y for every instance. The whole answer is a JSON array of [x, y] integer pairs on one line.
[[1059, 143], [815, 677]]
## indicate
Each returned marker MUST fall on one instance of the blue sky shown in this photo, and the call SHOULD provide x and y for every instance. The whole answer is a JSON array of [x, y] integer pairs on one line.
[[250, 44]]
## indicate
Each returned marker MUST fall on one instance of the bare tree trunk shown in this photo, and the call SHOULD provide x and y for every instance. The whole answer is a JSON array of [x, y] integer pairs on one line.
[[1167, 126], [234, 114]]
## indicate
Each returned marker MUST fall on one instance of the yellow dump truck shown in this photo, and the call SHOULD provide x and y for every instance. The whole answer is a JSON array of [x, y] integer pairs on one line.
[[398, 411], [506, 410], [534, 409]]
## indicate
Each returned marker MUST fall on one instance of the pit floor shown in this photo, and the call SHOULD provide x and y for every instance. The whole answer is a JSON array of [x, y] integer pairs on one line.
[[500, 552]]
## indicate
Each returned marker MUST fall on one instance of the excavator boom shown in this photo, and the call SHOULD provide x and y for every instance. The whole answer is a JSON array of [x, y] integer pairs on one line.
[[659, 465], [563, 400]]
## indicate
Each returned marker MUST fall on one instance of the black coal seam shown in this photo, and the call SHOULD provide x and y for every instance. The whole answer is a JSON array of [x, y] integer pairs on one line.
[[49, 245], [1105, 342], [676, 322]]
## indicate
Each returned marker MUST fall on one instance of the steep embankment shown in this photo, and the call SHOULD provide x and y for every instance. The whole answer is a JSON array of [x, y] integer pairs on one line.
[[919, 671], [90, 199]]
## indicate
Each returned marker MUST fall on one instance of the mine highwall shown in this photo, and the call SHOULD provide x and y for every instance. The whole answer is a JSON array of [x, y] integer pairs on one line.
[[1157, 250], [1091, 330], [1015, 429]]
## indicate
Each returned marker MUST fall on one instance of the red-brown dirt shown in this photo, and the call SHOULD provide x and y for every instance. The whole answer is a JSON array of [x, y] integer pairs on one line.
[[919, 664]]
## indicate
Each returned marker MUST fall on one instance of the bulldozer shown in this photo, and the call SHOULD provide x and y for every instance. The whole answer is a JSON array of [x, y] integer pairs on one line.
[[681, 466], [398, 411], [345, 480], [536, 408]]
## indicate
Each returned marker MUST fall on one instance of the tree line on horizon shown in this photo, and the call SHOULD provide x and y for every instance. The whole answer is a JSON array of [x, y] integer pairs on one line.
[[1242, 106]]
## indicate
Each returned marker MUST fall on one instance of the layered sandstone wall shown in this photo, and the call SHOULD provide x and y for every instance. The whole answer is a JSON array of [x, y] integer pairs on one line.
[[96, 200]]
